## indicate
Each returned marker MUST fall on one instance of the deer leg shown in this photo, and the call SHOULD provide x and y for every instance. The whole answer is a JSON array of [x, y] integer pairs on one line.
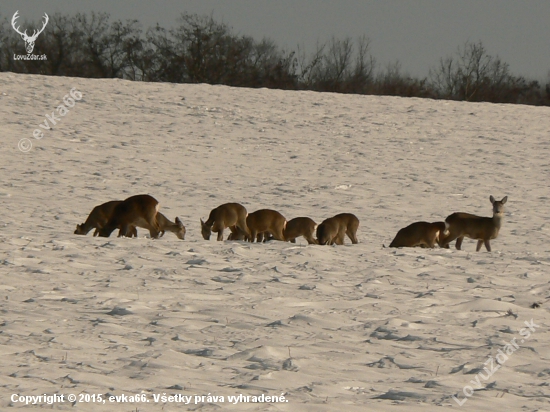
[[152, 223], [459, 242], [341, 236], [444, 241], [237, 234], [311, 240], [220, 235], [241, 225], [233, 233], [106, 231], [488, 245], [479, 244], [446, 238], [128, 231], [352, 236], [123, 231], [154, 230]]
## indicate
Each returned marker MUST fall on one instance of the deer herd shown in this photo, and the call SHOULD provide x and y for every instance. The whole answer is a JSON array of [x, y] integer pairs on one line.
[[267, 224]]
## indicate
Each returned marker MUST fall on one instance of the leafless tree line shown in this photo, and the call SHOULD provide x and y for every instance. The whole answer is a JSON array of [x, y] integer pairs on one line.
[[201, 50]]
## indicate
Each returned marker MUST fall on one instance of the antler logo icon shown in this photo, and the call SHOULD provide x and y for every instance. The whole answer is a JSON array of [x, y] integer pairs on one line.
[[29, 40]]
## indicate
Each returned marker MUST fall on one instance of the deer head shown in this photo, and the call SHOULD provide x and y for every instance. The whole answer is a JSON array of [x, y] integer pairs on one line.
[[29, 40]]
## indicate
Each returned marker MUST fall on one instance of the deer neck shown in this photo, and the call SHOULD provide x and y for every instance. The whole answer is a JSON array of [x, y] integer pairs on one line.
[[497, 220]]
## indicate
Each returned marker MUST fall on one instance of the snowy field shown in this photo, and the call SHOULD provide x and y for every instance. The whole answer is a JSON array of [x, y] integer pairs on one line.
[[331, 328]]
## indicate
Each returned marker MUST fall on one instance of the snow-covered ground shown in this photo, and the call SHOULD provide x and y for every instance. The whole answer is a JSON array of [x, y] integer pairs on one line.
[[339, 328]]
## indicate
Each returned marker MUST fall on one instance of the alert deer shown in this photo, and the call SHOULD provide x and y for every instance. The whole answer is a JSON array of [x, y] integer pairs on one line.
[[263, 222], [139, 210], [333, 230], [224, 216], [300, 226], [421, 234], [483, 229], [99, 217]]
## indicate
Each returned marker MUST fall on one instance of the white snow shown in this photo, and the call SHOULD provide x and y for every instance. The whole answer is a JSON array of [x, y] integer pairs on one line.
[[349, 328]]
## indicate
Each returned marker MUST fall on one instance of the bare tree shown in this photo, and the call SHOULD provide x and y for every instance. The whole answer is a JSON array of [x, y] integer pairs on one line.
[[200, 49], [472, 75], [338, 66], [308, 67]]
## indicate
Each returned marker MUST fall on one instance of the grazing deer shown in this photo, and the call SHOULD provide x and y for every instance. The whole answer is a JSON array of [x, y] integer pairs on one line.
[[99, 217], [166, 224], [139, 210], [265, 221], [300, 226], [483, 229], [333, 230], [226, 215], [421, 234]]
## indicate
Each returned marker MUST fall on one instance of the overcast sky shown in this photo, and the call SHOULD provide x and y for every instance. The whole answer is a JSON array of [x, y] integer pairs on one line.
[[417, 33]]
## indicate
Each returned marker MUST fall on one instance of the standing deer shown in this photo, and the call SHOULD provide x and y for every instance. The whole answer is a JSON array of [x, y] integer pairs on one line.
[[333, 230], [139, 210], [265, 222], [99, 217], [421, 234], [482, 229], [29, 40], [300, 226], [228, 215]]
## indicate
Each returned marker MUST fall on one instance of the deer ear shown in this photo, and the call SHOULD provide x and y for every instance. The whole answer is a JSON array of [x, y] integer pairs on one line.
[[492, 199], [23, 36], [504, 199], [202, 223]]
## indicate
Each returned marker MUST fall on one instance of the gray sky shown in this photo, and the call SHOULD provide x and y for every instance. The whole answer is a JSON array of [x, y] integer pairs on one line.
[[417, 33]]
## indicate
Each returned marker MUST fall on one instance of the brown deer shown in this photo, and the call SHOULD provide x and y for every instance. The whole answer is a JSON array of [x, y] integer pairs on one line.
[[333, 230], [300, 226], [166, 224], [139, 210], [224, 216], [423, 234], [482, 229], [265, 222], [99, 217]]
